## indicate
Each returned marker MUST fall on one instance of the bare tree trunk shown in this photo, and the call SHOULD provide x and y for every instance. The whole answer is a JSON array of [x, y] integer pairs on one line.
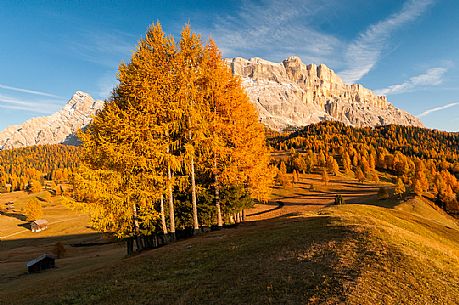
[[193, 184], [193, 196], [243, 215], [217, 204], [171, 201], [136, 221], [136, 227], [217, 196], [170, 195], [129, 245], [163, 216]]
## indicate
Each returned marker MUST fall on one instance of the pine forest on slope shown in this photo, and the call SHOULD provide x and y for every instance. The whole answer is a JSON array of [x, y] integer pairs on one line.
[[386, 148]]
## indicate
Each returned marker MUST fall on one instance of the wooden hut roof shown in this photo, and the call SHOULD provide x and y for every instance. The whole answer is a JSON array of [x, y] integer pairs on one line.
[[41, 257], [41, 222]]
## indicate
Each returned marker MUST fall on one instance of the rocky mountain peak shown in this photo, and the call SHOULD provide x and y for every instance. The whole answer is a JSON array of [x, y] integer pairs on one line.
[[292, 93], [59, 127], [286, 94]]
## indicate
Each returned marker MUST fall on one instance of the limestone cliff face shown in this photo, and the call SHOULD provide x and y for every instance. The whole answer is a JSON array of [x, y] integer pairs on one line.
[[286, 94], [294, 94], [59, 127]]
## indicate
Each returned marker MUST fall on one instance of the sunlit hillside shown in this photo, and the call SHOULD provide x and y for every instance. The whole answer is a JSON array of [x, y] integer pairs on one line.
[[297, 249], [197, 176]]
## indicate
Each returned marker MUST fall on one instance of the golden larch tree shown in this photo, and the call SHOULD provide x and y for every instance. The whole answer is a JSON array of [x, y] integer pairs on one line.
[[234, 143], [125, 147]]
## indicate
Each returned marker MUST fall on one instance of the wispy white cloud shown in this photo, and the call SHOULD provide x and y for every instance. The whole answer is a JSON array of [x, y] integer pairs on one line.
[[23, 108], [435, 109], [22, 90], [363, 53], [275, 30], [104, 48], [431, 77], [42, 106], [105, 85]]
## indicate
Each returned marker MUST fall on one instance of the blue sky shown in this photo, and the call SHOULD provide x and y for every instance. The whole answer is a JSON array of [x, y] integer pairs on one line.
[[407, 50]]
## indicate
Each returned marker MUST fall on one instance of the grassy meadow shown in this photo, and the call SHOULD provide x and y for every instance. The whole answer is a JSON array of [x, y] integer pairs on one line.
[[296, 249], [19, 245]]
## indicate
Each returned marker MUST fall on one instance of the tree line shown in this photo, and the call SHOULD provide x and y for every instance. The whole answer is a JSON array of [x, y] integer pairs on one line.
[[29, 168], [423, 161]]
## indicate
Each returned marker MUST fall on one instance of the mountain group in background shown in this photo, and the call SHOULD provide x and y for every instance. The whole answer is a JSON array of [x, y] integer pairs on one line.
[[349, 200], [59, 127], [294, 94], [287, 94]]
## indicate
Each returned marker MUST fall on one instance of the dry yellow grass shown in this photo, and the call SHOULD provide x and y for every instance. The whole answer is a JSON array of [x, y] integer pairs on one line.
[[302, 251], [416, 256], [19, 245], [62, 220]]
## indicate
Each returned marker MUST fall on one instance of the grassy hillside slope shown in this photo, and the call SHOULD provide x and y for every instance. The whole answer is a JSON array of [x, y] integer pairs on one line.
[[350, 254]]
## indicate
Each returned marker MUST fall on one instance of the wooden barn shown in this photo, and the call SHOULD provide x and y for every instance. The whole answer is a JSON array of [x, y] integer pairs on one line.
[[39, 225], [43, 262]]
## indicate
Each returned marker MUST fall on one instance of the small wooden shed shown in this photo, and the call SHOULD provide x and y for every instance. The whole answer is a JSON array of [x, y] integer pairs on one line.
[[43, 262], [10, 206], [39, 225]]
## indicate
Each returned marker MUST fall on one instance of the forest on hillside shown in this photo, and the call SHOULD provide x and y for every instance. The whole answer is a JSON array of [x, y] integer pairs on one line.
[[29, 168], [421, 160]]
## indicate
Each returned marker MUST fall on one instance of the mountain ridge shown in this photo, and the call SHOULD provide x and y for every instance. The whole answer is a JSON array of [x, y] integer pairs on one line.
[[59, 127], [287, 94], [292, 93]]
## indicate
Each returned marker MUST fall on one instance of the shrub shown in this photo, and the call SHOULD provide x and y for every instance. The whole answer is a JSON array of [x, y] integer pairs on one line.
[[34, 186], [33, 210], [59, 249], [383, 193], [339, 199]]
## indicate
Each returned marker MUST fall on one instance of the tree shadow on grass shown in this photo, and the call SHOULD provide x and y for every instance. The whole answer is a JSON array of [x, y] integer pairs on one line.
[[18, 216], [25, 225], [289, 259], [279, 204]]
